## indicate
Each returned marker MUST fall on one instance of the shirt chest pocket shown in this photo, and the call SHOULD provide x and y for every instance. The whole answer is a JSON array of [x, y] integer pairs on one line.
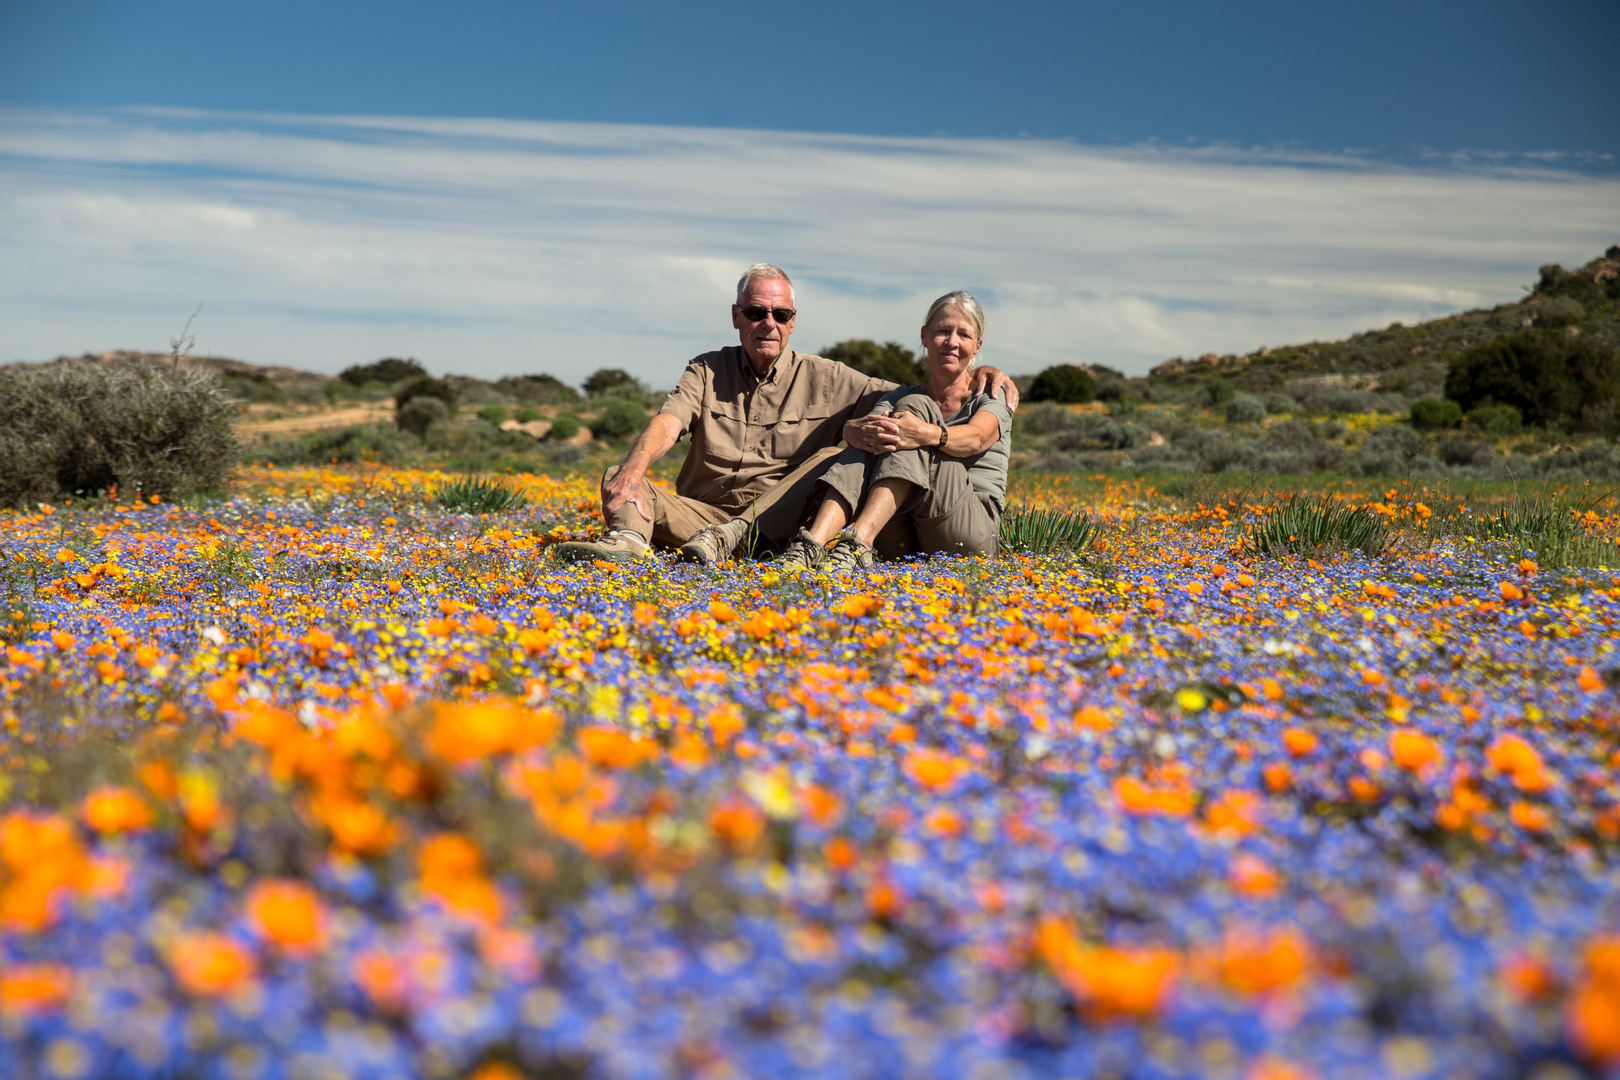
[[801, 432]]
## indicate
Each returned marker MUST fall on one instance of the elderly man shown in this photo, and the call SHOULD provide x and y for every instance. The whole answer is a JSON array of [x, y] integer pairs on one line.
[[765, 422]]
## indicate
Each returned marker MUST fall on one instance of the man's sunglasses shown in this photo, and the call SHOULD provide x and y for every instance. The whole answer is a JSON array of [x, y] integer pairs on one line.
[[755, 313]]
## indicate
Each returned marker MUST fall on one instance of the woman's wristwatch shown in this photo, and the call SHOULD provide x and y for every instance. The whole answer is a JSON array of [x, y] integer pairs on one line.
[[944, 437]]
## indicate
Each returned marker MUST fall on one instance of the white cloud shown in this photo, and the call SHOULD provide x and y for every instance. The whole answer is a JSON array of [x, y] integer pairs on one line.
[[489, 247]]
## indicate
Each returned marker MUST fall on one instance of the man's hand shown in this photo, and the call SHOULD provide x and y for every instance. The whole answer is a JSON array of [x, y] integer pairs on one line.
[[1001, 386], [873, 434], [625, 487]]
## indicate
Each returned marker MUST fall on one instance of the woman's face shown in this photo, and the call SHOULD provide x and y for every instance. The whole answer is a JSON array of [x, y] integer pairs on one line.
[[952, 342]]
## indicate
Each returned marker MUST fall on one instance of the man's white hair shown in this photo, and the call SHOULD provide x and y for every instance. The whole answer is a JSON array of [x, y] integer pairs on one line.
[[767, 271]]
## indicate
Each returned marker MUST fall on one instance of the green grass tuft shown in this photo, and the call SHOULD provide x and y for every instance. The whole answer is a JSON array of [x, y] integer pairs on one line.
[[1304, 526], [1551, 528], [1035, 532], [478, 495]]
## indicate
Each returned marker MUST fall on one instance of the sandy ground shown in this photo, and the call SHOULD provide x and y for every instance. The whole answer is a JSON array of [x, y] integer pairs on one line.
[[298, 425]]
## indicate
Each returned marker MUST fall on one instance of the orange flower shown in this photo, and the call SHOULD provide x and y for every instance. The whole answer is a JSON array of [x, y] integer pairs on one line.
[[1590, 681], [1107, 982], [613, 749], [30, 989], [1517, 758], [1094, 718], [114, 810], [44, 863], [738, 824], [860, 606], [1530, 817], [465, 732], [1593, 1013], [1136, 797], [288, 913], [208, 964], [1251, 876], [1413, 751], [1254, 963], [451, 867], [357, 827], [1300, 742], [934, 769], [1511, 591]]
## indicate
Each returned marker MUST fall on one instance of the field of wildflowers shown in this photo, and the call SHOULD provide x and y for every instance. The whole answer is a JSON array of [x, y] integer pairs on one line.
[[322, 782]]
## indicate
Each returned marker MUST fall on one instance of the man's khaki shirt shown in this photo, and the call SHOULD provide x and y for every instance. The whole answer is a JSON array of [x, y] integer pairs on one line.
[[748, 432]]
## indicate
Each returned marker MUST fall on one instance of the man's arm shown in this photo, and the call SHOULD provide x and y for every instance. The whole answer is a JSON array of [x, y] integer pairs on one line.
[[1000, 385], [626, 485]]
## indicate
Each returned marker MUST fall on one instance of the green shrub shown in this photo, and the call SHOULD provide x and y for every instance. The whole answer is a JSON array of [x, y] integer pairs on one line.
[[1033, 531], [1560, 311], [493, 414], [419, 414], [254, 386], [1304, 526], [1044, 418], [1495, 420], [1548, 376], [525, 413], [1245, 409], [1216, 392], [563, 428], [1124, 405], [538, 389], [1064, 384], [426, 387], [891, 360], [71, 428], [620, 418], [1434, 414], [388, 371], [605, 381], [476, 495], [1279, 404]]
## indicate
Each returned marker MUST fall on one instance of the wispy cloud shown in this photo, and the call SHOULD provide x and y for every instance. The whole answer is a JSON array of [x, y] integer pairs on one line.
[[488, 247]]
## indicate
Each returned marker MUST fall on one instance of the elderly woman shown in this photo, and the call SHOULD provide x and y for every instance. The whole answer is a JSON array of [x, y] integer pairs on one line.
[[926, 470]]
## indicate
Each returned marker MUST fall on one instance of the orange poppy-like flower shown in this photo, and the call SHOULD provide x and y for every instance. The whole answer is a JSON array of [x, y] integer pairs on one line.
[[114, 810], [209, 964], [1300, 743], [30, 989], [1252, 876], [465, 732], [614, 749], [452, 867], [1256, 963], [357, 827], [1136, 797], [1107, 982], [1413, 751], [287, 913], [738, 824], [1517, 758], [934, 769], [1592, 1015], [44, 863]]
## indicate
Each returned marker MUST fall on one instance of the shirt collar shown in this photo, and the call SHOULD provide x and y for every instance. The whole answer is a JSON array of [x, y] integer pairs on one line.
[[786, 360]]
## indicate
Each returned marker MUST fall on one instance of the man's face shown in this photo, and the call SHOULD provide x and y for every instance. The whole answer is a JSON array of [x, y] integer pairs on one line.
[[767, 339]]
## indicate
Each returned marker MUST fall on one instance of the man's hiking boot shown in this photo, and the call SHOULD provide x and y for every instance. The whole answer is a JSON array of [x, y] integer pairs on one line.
[[803, 553], [849, 554], [713, 544], [619, 546]]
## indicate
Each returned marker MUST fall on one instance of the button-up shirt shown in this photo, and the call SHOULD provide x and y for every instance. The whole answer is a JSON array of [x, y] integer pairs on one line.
[[748, 432]]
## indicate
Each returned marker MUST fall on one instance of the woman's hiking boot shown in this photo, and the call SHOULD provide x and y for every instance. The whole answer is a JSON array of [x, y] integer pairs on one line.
[[802, 553], [850, 554]]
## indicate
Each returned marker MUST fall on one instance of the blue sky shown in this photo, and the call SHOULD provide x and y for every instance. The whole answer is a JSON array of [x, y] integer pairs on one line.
[[1392, 76], [508, 188]]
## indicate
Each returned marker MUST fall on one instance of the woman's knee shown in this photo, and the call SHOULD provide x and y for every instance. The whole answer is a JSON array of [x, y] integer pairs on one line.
[[921, 406]]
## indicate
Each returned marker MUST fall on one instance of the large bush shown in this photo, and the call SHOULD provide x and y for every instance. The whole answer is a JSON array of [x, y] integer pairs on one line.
[[388, 370], [621, 417], [420, 413], [1065, 384], [1432, 414], [426, 387], [606, 381], [1245, 409], [891, 360], [71, 428], [538, 389], [1548, 376]]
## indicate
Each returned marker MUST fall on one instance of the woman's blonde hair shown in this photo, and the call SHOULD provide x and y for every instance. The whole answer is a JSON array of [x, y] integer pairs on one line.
[[962, 301]]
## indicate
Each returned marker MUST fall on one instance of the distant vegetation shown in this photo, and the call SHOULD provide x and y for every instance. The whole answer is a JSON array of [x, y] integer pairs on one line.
[[890, 361]]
